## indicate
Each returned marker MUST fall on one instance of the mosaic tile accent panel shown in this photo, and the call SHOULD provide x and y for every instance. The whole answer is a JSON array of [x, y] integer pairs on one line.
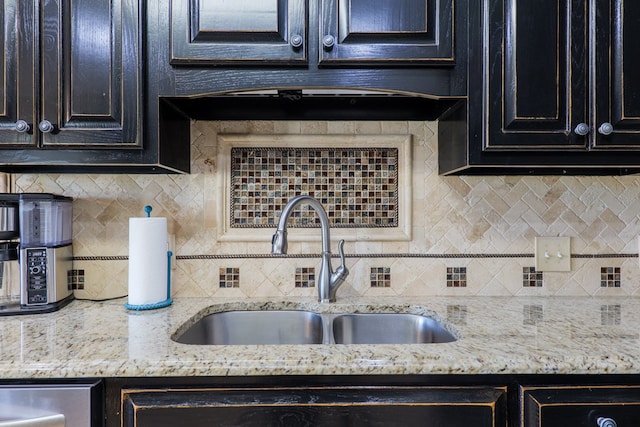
[[380, 277], [610, 315], [229, 277], [456, 277], [75, 279], [531, 278], [305, 277], [532, 314], [358, 187], [610, 277]]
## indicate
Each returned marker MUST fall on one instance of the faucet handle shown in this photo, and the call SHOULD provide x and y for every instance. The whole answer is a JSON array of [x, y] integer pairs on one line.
[[342, 270], [341, 251]]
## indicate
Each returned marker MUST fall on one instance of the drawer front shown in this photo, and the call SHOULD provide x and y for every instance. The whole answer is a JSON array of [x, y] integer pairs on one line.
[[597, 406], [352, 406]]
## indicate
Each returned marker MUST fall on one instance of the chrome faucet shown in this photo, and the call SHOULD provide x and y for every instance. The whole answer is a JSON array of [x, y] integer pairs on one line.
[[328, 280]]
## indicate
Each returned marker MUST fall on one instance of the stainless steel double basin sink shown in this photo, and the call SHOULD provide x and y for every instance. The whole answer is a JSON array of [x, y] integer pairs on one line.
[[273, 327]]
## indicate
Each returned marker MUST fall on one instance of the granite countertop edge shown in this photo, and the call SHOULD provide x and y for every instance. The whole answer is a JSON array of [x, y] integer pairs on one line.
[[496, 335]]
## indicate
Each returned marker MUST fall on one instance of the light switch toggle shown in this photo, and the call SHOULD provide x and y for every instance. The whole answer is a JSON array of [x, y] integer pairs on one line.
[[545, 247]]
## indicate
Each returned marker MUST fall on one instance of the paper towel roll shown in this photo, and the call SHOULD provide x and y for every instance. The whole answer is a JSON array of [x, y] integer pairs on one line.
[[147, 260]]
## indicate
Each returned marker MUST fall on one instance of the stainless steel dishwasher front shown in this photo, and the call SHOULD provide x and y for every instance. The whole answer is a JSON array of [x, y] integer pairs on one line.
[[51, 405]]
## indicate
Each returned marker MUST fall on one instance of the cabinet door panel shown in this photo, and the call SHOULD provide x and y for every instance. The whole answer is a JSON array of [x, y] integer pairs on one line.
[[535, 74], [580, 406], [366, 406], [617, 70], [90, 72], [16, 72], [386, 32], [246, 31]]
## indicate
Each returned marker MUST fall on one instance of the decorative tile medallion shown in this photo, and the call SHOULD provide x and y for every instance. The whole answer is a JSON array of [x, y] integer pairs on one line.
[[229, 277], [531, 278], [75, 279], [358, 187], [456, 277], [305, 277], [610, 277], [380, 277]]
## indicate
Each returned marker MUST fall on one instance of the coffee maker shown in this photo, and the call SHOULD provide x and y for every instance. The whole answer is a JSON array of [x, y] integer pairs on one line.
[[35, 252]]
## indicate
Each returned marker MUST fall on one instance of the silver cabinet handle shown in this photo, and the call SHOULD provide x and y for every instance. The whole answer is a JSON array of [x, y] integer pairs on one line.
[[606, 128], [296, 41], [45, 126], [22, 126], [582, 129], [328, 41], [606, 422]]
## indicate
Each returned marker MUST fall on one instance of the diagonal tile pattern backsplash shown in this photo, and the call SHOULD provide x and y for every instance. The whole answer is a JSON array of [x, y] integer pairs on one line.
[[484, 225]]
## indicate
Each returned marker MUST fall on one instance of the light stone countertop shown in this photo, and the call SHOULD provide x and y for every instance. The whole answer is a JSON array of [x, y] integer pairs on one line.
[[497, 335]]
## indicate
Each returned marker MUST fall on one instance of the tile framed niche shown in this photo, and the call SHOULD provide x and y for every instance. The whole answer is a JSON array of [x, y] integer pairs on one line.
[[334, 149]]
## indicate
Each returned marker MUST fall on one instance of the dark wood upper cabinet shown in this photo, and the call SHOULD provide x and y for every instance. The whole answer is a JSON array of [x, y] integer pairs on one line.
[[617, 68], [242, 31], [90, 65], [536, 74], [327, 32], [556, 71], [550, 90], [73, 91], [71, 74], [386, 32], [17, 88]]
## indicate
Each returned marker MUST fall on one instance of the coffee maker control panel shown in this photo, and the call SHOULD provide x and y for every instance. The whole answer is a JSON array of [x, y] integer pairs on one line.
[[36, 276]]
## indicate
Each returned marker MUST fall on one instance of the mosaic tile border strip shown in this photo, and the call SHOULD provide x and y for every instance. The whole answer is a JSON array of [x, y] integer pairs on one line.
[[352, 255], [357, 186]]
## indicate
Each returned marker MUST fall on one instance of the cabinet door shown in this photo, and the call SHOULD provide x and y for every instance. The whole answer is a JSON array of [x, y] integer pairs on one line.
[[17, 90], [617, 87], [580, 406], [534, 84], [90, 73], [240, 31], [386, 32], [352, 406]]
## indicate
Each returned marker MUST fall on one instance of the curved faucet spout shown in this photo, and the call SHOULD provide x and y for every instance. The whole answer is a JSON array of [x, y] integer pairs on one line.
[[328, 280]]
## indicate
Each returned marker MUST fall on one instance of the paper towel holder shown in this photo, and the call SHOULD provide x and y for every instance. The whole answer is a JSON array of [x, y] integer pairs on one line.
[[161, 304]]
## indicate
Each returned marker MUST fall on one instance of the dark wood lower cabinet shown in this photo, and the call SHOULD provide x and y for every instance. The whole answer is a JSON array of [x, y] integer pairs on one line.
[[372, 400], [588, 406], [317, 406]]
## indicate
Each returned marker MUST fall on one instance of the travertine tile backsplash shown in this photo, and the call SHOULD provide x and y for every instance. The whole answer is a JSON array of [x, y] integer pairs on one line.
[[466, 235]]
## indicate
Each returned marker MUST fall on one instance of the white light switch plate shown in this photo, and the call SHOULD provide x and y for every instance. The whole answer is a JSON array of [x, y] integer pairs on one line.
[[553, 253]]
